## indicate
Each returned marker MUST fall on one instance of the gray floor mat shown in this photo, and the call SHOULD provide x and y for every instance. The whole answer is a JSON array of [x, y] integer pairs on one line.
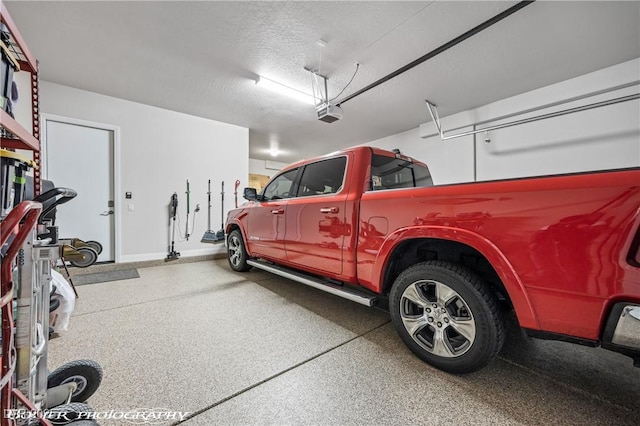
[[103, 277]]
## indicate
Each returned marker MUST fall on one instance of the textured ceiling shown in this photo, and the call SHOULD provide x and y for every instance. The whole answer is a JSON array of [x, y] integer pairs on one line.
[[202, 58]]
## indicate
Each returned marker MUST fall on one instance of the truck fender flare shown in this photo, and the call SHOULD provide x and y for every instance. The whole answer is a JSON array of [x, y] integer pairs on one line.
[[512, 283], [236, 223]]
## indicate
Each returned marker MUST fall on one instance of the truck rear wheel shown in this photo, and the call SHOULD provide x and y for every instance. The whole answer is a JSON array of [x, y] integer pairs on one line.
[[236, 252], [446, 316]]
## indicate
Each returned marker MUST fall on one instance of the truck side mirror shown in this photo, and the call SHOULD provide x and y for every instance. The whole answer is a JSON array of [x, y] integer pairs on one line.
[[250, 194]]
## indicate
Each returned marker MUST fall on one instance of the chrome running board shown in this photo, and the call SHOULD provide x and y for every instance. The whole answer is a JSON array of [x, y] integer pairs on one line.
[[349, 294]]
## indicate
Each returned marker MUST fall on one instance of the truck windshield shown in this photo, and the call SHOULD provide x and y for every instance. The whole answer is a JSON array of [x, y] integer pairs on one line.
[[394, 173]]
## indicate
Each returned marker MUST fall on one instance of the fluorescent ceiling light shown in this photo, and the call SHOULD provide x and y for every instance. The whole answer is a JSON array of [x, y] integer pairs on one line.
[[273, 148], [285, 90]]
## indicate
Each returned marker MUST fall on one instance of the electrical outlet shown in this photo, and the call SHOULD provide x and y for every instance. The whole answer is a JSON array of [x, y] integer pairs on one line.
[[130, 207]]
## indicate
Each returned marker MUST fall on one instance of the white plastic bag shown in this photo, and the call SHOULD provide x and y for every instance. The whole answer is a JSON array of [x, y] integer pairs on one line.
[[59, 319]]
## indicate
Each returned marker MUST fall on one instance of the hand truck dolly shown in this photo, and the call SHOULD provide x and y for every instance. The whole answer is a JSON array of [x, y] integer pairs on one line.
[[25, 282]]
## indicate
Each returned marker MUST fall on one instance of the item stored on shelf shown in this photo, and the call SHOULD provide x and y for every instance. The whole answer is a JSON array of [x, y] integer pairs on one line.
[[7, 68], [13, 168], [5, 35]]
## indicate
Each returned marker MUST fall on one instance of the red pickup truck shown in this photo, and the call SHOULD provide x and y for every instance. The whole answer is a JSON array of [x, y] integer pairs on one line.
[[562, 252]]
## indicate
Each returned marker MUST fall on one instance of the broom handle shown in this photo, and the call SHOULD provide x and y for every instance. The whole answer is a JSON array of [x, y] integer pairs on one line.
[[235, 192], [222, 215], [187, 233], [209, 209], [188, 192]]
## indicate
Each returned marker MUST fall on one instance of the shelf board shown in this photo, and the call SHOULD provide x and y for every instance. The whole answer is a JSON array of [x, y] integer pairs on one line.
[[25, 140], [25, 54]]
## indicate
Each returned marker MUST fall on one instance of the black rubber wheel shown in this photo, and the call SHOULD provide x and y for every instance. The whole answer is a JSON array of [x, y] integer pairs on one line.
[[90, 257], [70, 414], [54, 304], [94, 245], [446, 316], [236, 252], [87, 374]]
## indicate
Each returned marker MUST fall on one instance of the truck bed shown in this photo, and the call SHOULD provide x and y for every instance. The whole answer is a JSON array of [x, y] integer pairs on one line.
[[552, 240]]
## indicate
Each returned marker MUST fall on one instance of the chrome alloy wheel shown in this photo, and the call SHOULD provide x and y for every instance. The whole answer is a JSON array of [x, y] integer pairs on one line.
[[437, 318], [235, 250]]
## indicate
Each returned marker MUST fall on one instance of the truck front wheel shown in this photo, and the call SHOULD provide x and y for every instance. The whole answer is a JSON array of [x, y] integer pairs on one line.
[[446, 316], [236, 252]]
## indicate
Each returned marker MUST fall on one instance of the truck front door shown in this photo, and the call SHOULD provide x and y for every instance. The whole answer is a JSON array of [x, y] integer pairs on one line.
[[266, 221]]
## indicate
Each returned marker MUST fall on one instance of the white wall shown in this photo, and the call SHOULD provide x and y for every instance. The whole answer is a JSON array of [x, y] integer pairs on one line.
[[598, 139], [159, 151], [447, 162]]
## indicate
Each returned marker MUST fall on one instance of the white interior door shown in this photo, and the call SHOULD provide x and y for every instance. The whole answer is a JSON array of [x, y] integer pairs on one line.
[[82, 158]]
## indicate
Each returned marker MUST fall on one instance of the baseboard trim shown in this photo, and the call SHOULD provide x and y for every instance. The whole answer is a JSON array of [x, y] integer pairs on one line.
[[218, 249], [152, 259]]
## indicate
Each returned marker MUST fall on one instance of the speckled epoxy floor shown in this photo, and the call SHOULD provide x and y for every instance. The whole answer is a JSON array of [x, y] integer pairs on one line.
[[245, 349]]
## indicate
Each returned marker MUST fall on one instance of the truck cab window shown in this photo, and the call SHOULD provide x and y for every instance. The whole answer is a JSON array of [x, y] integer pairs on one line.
[[323, 177], [394, 173], [280, 187]]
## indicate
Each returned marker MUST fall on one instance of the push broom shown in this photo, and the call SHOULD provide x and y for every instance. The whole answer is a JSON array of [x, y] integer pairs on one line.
[[211, 236]]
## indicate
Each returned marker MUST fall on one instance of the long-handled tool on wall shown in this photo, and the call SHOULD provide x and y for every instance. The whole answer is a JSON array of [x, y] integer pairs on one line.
[[220, 233], [209, 235], [173, 206], [187, 232], [235, 192]]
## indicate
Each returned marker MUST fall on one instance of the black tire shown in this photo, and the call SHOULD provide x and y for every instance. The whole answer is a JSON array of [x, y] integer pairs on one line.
[[71, 413], [54, 304], [90, 257], [236, 252], [87, 374], [446, 316], [94, 245]]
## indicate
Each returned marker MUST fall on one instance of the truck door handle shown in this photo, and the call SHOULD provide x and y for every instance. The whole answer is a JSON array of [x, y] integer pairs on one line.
[[106, 213], [329, 210], [277, 211]]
